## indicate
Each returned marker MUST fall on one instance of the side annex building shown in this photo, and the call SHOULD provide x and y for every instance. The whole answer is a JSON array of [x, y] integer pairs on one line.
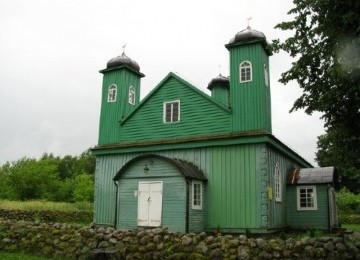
[[190, 162]]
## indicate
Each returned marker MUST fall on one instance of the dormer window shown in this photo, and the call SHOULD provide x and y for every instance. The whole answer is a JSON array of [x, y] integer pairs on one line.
[[131, 95], [171, 111], [112, 93], [245, 71]]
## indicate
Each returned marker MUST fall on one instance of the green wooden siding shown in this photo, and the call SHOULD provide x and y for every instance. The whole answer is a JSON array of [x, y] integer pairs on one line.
[[104, 194], [173, 197], [233, 188], [221, 95], [198, 115], [197, 216], [277, 210], [108, 166], [113, 112], [250, 101], [308, 219]]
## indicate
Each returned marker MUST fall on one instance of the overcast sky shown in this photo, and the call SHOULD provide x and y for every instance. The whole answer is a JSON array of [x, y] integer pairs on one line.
[[51, 52]]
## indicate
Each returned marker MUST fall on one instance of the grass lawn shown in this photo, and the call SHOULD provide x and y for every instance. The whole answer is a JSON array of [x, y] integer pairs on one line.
[[38, 205], [22, 256], [353, 227]]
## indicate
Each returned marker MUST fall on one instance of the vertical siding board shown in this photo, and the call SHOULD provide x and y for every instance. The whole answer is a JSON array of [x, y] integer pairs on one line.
[[278, 216], [232, 189], [109, 165], [248, 100], [300, 219]]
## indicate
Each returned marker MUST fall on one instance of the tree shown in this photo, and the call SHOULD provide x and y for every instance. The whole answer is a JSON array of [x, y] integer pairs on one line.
[[32, 179], [84, 188], [326, 47]]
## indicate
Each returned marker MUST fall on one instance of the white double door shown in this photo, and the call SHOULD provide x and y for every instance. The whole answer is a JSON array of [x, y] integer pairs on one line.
[[150, 203]]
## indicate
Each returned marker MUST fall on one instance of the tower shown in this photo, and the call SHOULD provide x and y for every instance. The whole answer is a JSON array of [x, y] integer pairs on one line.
[[120, 96], [249, 81], [219, 88]]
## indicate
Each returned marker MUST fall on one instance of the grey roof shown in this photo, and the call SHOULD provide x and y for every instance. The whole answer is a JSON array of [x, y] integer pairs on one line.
[[187, 169], [123, 60], [248, 35], [219, 80], [312, 175]]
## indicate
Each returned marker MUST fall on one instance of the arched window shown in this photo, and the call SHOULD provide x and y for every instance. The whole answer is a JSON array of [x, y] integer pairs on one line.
[[277, 184], [266, 76], [245, 71], [112, 93], [131, 95]]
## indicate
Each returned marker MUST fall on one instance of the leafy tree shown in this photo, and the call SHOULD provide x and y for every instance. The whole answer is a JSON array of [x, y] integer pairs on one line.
[[84, 188], [326, 47], [52, 178], [31, 179]]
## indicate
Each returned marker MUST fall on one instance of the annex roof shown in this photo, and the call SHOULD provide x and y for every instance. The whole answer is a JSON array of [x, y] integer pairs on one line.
[[312, 175], [187, 169]]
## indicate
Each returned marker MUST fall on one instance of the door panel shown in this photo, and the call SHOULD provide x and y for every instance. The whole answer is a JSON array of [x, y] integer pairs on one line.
[[149, 204]]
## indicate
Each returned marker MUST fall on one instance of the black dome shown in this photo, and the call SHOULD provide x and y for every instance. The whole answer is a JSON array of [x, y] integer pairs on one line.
[[123, 60], [247, 36], [219, 80]]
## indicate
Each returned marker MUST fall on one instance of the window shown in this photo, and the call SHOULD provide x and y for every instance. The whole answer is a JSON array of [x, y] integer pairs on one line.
[[196, 195], [131, 95], [172, 111], [245, 71], [277, 185], [266, 76], [112, 93], [306, 198]]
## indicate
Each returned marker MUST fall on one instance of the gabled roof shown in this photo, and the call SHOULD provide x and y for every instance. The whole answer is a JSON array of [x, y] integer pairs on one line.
[[185, 83], [187, 169], [312, 175]]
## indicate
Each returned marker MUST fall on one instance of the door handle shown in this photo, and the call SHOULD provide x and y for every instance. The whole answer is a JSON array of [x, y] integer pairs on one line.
[[149, 199]]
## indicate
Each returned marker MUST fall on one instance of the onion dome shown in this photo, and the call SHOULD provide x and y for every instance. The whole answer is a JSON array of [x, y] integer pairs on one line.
[[123, 60], [219, 81], [247, 36]]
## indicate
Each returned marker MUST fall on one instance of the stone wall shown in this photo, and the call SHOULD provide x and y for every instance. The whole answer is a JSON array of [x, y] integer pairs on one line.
[[76, 242]]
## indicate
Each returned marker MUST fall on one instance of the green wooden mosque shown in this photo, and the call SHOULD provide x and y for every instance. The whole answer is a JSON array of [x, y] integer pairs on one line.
[[190, 162]]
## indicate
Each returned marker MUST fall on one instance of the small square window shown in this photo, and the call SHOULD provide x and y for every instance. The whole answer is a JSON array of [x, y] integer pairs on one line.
[[306, 198], [171, 111], [196, 195]]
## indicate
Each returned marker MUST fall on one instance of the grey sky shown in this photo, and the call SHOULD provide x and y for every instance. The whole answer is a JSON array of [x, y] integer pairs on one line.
[[51, 52]]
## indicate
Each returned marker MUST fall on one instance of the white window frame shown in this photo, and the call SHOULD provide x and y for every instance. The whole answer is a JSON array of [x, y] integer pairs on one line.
[[277, 183], [314, 197], [132, 94], [193, 199], [172, 111], [266, 76], [112, 93], [243, 69]]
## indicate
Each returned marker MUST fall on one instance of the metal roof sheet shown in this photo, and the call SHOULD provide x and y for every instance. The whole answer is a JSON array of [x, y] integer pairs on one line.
[[311, 175]]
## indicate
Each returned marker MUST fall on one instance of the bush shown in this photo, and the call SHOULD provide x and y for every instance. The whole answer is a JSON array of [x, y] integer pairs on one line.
[[347, 202], [349, 219]]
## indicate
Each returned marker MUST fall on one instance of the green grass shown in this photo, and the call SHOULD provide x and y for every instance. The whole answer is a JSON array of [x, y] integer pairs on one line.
[[22, 256], [38, 205], [353, 227]]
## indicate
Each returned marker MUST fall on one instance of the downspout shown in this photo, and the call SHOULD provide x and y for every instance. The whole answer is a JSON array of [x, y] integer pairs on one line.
[[328, 206], [116, 202], [187, 207]]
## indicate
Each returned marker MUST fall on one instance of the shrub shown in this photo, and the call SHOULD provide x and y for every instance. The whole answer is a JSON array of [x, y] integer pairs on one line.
[[347, 202]]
